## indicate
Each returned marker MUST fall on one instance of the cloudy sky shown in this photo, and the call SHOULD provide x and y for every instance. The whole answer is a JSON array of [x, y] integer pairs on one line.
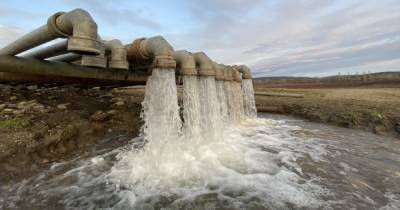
[[273, 37]]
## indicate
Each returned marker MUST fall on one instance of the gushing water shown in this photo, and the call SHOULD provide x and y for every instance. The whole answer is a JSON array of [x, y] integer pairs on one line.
[[234, 101], [160, 110], [191, 107], [250, 109], [210, 105], [223, 102]]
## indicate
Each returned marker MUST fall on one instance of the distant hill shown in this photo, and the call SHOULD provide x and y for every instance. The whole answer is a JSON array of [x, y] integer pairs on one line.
[[372, 77]]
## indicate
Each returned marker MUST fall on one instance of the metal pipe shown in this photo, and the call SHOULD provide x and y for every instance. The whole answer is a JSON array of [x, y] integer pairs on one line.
[[77, 25], [185, 63], [50, 51], [204, 64], [219, 72], [20, 65], [155, 50], [228, 74], [117, 54], [70, 57], [246, 72], [235, 74]]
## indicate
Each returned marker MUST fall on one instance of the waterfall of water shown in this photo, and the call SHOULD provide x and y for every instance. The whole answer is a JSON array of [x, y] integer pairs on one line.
[[160, 109], [211, 116], [248, 98], [239, 99], [191, 107], [223, 102], [234, 101]]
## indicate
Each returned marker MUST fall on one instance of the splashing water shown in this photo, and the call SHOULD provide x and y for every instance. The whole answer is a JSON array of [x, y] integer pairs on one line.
[[223, 102], [250, 109], [235, 101], [211, 116], [191, 107], [239, 99], [160, 110]]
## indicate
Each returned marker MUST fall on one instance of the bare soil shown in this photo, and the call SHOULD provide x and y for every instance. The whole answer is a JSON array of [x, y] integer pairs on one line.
[[371, 108], [40, 124]]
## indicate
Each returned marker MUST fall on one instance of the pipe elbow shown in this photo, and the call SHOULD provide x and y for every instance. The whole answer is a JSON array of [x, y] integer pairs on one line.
[[155, 48], [227, 73], [219, 72], [204, 64], [246, 72], [185, 63], [117, 54], [80, 29]]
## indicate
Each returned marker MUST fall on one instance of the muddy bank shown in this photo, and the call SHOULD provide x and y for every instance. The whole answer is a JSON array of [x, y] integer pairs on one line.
[[375, 110], [43, 123]]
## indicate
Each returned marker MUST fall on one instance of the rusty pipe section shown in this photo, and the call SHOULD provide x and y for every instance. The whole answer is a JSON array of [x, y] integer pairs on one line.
[[23, 66], [204, 64], [185, 63], [155, 50], [117, 54], [246, 72], [76, 25]]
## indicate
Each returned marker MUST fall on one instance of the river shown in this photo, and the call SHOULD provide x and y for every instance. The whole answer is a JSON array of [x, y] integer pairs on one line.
[[272, 162]]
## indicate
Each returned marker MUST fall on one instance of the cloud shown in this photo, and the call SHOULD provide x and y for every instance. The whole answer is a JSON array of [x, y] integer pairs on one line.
[[305, 37], [9, 34]]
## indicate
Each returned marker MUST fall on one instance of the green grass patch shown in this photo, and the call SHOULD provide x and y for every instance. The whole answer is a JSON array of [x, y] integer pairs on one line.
[[13, 124]]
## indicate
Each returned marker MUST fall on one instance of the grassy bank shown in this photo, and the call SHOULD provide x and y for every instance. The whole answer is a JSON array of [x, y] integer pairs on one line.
[[371, 108]]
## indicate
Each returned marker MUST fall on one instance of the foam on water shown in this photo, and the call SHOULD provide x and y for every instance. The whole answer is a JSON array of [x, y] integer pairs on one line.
[[237, 171], [248, 98]]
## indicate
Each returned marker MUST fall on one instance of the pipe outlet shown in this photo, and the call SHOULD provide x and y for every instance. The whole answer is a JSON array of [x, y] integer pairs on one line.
[[219, 72], [227, 73], [116, 55], [236, 74], [80, 29], [185, 63], [204, 64], [155, 48], [246, 72]]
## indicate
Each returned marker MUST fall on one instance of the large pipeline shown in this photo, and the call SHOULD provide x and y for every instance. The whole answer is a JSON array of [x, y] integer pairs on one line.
[[76, 25], [38, 67]]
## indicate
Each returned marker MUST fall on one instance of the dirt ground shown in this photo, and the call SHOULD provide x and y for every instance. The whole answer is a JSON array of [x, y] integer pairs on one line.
[[371, 108], [43, 123]]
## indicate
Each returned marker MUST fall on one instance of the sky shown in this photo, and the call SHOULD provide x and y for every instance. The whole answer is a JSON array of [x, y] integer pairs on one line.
[[272, 37]]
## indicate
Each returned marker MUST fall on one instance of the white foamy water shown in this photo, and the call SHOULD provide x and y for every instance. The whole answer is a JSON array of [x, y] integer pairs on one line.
[[191, 107], [223, 102], [259, 164], [161, 111], [211, 120], [250, 167], [234, 101], [250, 109]]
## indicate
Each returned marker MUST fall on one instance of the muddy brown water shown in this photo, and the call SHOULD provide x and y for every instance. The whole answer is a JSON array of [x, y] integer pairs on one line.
[[315, 166]]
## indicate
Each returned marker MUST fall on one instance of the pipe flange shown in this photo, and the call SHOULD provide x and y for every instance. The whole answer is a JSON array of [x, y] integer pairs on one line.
[[85, 45], [164, 62], [53, 28], [188, 71], [116, 64], [94, 61]]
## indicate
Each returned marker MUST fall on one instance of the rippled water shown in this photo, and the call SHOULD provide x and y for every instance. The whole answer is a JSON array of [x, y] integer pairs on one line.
[[273, 162]]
